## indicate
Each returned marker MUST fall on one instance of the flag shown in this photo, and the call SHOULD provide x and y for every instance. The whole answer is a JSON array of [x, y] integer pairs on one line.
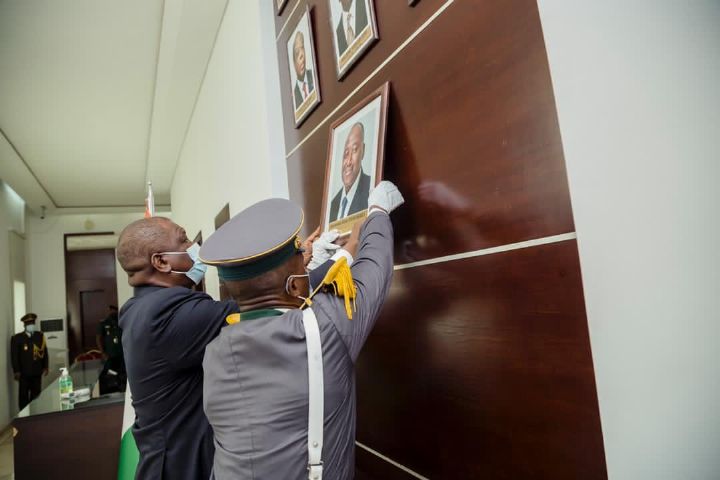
[[149, 203], [129, 454]]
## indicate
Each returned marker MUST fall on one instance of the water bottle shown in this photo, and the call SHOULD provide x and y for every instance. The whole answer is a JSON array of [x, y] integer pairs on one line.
[[65, 383]]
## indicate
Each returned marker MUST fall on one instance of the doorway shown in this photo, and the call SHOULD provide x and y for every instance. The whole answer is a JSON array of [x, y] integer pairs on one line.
[[91, 287]]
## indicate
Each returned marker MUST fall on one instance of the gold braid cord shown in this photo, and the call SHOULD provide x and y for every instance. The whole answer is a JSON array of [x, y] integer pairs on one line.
[[39, 352], [339, 280]]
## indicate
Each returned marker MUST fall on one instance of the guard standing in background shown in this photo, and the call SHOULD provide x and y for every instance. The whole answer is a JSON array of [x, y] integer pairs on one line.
[[29, 357], [109, 340]]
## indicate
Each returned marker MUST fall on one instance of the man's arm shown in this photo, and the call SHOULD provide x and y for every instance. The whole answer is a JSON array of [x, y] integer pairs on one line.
[[99, 338], [45, 355], [193, 326], [372, 273]]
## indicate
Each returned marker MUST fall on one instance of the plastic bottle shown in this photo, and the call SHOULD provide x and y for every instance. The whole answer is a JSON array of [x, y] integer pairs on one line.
[[65, 383]]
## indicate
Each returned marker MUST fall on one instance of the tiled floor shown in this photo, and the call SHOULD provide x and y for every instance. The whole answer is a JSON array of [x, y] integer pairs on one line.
[[6, 455]]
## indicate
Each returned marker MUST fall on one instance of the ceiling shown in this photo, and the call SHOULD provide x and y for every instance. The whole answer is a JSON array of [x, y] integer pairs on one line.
[[96, 96]]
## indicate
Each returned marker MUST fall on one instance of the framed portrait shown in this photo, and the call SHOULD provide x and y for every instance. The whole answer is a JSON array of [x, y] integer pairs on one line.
[[279, 5], [304, 82], [356, 150], [354, 30]]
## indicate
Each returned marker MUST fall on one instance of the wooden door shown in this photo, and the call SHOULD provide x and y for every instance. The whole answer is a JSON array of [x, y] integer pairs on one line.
[[91, 286]]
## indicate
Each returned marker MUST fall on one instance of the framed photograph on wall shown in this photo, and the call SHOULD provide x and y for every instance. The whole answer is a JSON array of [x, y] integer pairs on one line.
[[279, 5], [356, 151], [354, 30], [303, 69]]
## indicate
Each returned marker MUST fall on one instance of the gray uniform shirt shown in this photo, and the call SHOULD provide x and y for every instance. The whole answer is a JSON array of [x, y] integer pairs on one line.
[[255, 390]]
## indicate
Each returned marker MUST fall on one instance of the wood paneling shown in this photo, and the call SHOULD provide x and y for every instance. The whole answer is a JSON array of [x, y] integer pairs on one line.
[[372, 467], [89, 274], [395, 23], [478, 368], [473, 141], [81, 444], [481, 368]]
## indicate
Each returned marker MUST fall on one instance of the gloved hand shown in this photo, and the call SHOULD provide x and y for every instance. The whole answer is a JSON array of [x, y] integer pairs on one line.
[[323, 248], [386, 196]]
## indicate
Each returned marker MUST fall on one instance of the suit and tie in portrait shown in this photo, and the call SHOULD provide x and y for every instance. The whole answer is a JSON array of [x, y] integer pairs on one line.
[[301, 60], [303, 88], [353, 195], [353, 20]]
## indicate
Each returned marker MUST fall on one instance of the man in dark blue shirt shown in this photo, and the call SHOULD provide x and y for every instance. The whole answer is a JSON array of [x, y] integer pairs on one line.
[[165, 328]]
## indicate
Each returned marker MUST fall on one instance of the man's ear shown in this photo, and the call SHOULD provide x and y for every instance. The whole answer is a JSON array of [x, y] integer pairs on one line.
[[294, 287], [159, 263]]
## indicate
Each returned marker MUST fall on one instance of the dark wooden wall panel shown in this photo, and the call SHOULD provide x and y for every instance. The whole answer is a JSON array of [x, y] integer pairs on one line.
[[479, 368], [81, 444], [395, 22], [473, 140]]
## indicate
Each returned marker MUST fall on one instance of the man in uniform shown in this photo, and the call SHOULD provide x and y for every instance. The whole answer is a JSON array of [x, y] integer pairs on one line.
[[165, 328], [29, 358], [279, 385], [109, 340]]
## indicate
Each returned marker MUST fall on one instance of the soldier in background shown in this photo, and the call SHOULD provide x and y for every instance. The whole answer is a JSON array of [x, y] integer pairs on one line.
[[109, 342], [29, 358]]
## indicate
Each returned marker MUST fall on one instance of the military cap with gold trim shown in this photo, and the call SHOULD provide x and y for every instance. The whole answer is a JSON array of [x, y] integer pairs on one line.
[[259, 239]]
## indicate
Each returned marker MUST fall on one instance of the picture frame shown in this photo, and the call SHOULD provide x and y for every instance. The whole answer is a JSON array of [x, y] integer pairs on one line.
[[355, 159], [280, 5], [354, 31], [302, 68]]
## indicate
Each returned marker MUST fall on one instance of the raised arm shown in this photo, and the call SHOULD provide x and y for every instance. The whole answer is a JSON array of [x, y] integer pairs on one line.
[[371, 270]]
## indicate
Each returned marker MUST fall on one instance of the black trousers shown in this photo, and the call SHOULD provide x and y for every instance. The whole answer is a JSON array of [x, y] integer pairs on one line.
[[29, 390]]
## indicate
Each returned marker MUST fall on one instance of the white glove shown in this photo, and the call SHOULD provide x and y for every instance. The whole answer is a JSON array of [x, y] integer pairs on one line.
[[323, 249], [386, 196]]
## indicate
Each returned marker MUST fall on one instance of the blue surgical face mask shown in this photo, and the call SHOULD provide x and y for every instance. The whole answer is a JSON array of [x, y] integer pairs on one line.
[[30, 328], [197, 272]]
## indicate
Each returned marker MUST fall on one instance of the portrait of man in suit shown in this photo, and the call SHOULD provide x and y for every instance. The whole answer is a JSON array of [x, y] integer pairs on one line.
[[354, 164], [353, 195], [304, 84], [353, 20], [355, 30]]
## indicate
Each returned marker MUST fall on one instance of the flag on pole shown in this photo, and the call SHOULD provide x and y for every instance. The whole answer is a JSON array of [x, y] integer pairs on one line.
[[129, 454], [149, 202]]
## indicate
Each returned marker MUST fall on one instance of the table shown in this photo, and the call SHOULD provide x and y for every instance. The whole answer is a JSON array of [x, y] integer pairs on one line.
[[59, 440]]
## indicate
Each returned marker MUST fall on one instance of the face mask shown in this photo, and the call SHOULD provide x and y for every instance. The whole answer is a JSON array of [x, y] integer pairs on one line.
[[197, 272], [287, 284], [30, 328]]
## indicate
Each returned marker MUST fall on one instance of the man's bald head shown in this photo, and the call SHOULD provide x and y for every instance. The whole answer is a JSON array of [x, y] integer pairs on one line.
[[139, 240]]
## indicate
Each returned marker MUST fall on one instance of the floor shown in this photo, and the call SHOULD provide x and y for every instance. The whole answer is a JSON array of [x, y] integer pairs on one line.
[[6, 455]]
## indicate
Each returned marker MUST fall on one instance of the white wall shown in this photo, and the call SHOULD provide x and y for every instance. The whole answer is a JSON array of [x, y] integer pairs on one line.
[[12, 219], [637, 86], [229, 153], [46, 280]]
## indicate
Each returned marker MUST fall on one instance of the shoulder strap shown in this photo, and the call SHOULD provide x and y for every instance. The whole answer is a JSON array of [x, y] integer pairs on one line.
[[317, 393]]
